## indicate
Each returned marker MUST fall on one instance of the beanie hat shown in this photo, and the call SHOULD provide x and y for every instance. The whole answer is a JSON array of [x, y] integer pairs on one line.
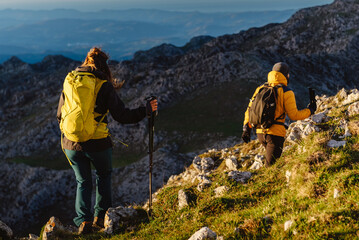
[[281, 67]]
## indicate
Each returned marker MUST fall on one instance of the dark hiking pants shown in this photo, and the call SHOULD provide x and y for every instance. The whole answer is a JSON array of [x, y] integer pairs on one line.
[[273, 145], [81, 164]]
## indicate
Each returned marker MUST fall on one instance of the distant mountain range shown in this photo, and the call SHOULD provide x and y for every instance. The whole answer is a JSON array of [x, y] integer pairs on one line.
[[32, 35]]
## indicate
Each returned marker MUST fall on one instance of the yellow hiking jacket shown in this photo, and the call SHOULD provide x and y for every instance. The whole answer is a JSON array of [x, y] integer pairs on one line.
[[285, 104]]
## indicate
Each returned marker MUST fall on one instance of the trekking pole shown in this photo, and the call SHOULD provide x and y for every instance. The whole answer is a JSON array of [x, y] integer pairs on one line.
[[312, 95], [151, 129]]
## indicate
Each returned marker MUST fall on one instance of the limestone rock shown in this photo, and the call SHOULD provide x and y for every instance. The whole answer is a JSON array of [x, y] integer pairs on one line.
[[117, 217], [288, 174], [203, 233], [6, 229], [220, 191], [353, 109], [336, 193], [352, 97], [336, 144], [344, 124], [203, 165], [288, 224], [182, 199], [204, 182], [320, 117], [301, 129], [52, 228], [258, 162], [232, 163], [242, 177], [203, 185], [256, 165], [33, 237]]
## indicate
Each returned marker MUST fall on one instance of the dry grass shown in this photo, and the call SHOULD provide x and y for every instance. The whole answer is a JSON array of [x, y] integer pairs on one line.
[[354, 127]]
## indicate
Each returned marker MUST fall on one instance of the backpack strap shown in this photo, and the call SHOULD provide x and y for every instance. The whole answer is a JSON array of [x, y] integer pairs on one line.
[[282, 116]]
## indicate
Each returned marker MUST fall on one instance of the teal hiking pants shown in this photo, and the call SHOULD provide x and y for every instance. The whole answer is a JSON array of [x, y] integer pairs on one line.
[[81, 164]]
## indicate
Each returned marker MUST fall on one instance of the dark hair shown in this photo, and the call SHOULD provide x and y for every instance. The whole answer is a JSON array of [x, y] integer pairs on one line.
[[97, 60], [281, 67]]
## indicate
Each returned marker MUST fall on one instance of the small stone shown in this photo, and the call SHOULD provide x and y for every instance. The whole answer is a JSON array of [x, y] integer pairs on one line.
[[5, 228], [320, 117], [336, 193], [336, 144], [288, 174], [259, 158], [258, 162], [232, 163], [242, 177], [203, 233], [33, 237], [312, 219], [203, 185], [288, 224], [220, 191], [256, 165], [182, 199], [203, 165], [52, 227]]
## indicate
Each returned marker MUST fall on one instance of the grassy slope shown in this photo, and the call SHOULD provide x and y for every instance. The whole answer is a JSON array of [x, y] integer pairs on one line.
[[307, 199]]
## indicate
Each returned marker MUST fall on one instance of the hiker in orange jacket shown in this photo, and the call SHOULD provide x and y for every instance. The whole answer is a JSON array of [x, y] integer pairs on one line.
[[273, 138]]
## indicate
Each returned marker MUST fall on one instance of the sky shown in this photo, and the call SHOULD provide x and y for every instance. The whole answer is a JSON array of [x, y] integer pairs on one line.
[[172, 5]]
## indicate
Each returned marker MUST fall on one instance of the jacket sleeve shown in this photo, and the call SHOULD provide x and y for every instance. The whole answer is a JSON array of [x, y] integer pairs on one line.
[[246, 114], [108, 97], [61, 103], [290, 107]]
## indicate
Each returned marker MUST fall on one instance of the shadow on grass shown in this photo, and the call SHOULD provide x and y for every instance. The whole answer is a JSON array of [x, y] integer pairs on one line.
[[219, 205]]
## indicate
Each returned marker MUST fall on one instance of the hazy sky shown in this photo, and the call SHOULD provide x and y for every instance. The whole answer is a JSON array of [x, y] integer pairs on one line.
[[180, 5]]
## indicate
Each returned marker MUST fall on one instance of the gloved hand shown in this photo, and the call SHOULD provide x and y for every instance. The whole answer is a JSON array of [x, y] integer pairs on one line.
[[151, 106], [312, 107], [246, 136]]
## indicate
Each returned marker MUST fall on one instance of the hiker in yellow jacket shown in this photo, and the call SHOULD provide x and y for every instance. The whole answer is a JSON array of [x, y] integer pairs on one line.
[[273, 138], [88, 96]]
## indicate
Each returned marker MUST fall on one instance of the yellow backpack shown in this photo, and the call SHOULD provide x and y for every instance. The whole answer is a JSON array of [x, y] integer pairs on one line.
[[78, 114]]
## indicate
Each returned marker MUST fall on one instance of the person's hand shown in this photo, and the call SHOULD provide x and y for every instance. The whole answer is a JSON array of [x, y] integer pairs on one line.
[[151, 106], [246, 136], [312, 107], [154, 105]]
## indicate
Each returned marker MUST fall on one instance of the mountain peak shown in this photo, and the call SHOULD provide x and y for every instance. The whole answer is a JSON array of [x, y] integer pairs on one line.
[[14, 61]]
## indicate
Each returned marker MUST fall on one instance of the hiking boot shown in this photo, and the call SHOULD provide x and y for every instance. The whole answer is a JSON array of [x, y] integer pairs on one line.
[[98, 223], [85, 227]]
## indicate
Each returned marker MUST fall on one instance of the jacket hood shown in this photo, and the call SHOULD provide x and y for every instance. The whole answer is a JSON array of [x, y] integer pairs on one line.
[[275, 78]]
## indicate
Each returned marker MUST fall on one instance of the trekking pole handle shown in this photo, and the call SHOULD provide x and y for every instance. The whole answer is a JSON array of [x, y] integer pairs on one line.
[[149, 99]]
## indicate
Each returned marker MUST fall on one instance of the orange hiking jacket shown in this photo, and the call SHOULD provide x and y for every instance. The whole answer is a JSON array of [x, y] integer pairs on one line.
[[285, 104]]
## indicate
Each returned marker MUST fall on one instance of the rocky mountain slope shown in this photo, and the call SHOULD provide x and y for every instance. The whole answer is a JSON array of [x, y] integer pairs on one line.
[[320, 44], [311, 191]]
